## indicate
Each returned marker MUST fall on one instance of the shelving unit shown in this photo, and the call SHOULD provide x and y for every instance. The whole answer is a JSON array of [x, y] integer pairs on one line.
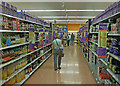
[[115, 76], [112, 16], [3, 82], [24, 20], [12, 46], [99, 62], [31, 57], [114, 56], [105, 17]]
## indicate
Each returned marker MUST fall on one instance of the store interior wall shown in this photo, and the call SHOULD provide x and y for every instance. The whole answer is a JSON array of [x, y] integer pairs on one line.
[[74, 27]]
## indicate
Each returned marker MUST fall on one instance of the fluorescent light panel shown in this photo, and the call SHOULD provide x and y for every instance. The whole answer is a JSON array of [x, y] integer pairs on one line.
[[72, 31], [66, 17], [57, 10], [66, 20]]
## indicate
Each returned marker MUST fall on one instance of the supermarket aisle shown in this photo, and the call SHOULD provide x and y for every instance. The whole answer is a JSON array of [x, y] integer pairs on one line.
[[74, 70]]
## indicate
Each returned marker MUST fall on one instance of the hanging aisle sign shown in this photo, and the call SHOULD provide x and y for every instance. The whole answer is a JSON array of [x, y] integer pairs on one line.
[[31, 39], [102, 42]]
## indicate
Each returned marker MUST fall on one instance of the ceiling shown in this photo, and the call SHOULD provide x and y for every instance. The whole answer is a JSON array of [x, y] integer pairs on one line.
[[72, 16]]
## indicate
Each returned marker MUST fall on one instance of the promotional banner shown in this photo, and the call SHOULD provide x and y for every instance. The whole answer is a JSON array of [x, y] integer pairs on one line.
[[31, 39], [101, 52], [102, 41], [41, 37]]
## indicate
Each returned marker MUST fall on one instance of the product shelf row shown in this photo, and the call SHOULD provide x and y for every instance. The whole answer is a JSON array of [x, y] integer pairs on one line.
[[93, 32], [115, 76], [23, 20], [12, 31], [33, 71], [3, 82], [82, 51], [93, 52], [104, 61], [114, 56], [5, 64], [13, 46], [15, 31], [109, 17], [94, 42]]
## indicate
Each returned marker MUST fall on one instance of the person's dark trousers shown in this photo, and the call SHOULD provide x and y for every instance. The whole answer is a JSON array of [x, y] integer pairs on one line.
[[68, 42], [57, 55]]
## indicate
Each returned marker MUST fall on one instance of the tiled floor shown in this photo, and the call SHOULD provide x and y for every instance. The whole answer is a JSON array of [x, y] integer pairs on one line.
[[74, 70]]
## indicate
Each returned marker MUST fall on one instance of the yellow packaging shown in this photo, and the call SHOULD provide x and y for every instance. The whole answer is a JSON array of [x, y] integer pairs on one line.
[[4, 73], [22, 75], [16, 65], [8, 70], [103, 39], [11, 81], [18, 78], [12, 69]]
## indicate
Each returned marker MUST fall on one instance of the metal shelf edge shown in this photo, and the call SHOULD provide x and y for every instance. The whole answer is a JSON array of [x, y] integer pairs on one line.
[[114, 76], [12, 46]]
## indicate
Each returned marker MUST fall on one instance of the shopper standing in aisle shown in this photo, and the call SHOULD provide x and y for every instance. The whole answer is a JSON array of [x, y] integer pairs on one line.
[[72, 39], [68, 39], [57, 47]]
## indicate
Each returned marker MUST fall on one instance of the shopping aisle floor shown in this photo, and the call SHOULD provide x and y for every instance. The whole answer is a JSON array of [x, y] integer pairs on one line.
[[74, 70]]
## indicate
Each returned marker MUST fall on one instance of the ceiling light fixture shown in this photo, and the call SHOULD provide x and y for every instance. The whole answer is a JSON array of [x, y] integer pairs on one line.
[[66, 16], [67, 20], [58, 10]]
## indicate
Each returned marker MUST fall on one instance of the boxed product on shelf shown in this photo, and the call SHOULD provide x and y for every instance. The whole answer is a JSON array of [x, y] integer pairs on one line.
[[118, 25], [113, 28], [114, 64], [115, 41], [116, 69], [109, 42], [116, 51], [34, 65], [20, 76], [28, 69], [111, 49], [114, 61], [102, 73], [11, 81], [4, 73]]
